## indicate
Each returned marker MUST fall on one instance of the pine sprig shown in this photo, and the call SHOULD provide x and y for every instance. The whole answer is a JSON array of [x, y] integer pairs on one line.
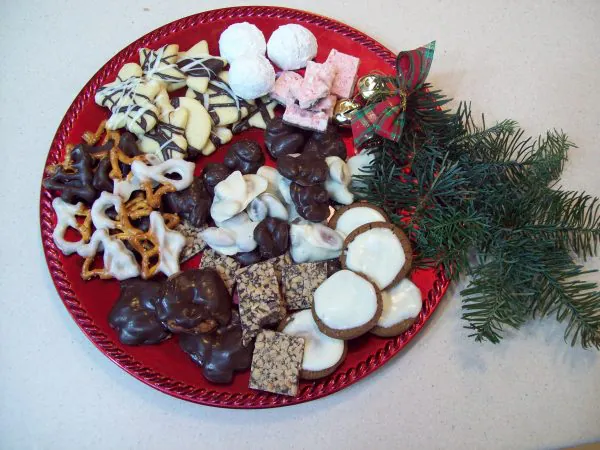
[[461, 189]]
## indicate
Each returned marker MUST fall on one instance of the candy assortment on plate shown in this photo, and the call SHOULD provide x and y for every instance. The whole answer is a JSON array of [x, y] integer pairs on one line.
[[292, 265]]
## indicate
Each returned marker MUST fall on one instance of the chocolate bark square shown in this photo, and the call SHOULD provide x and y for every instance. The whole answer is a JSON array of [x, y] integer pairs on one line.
[[299, 282], [276, 362], [260, 299], [226, 266], [194, 243]]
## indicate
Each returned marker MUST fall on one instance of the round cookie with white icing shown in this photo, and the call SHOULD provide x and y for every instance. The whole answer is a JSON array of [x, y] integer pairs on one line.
[[322, 354], [401, 307], [348, 218], [346, 305], [380, 251]]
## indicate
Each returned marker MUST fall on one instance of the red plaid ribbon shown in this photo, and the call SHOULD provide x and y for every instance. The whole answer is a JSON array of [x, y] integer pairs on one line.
[[387, 118]]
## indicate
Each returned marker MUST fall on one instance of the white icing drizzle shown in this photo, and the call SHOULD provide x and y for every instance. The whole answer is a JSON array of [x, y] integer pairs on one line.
[[314, 242], [345, 301], [157, 173], [320, 351], [66, 217], [170, 244], [378, 254], [356, 217], [400, 303], [99, 218]]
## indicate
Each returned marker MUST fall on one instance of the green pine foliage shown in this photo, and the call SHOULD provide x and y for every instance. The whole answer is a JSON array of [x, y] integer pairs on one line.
[[484, 202]]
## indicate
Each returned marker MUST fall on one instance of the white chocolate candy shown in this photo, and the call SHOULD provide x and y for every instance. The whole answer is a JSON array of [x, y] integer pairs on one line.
[[232, 236], [356, 217], [130, 99], [291, 46], [241, 39], [161, 65], [267, 205], [320, 351], [66, 217], [400, 303], [314, 242], [234, 194], [359, 165], [170, 244], [251, 76], [345, 301], [338, 180], [157, 173], [99, 218], [378, 254]]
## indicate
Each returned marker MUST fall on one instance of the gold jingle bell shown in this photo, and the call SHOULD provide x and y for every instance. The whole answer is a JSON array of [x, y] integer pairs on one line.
[[369, 85], [342, 113]]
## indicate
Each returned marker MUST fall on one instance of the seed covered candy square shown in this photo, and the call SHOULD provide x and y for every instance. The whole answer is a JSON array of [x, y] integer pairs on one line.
[[260, 299], [276, 363], [194, 243], [278, 263], [346, 70], [226, 266], [299, 282]]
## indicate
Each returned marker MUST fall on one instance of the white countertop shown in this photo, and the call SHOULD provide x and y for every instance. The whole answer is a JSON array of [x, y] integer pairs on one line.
[[536, 62]]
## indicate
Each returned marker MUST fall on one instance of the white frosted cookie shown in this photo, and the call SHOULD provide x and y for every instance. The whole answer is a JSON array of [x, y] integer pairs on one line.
[[350, 217], [322, 354], [380, 251], [346, 305], [401, 306]]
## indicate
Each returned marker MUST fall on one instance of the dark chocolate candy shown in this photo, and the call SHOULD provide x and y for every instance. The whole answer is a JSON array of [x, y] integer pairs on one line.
[[219, 353], [327, 143], [282, 139], [246, 156], [77, 185], [312, 202], [272, 237], [248, 258], [306, 170], [134, 314], [192, 204], [194, 301], [128, 143], [102, 181], [213, 174]]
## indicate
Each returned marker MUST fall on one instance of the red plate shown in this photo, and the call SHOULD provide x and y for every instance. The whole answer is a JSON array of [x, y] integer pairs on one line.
[[164, 366]]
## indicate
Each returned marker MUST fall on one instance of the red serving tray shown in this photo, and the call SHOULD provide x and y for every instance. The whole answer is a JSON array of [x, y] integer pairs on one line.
[[165, 367]]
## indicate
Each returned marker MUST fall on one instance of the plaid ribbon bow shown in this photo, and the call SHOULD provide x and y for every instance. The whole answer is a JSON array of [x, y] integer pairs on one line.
[[387, 117]]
